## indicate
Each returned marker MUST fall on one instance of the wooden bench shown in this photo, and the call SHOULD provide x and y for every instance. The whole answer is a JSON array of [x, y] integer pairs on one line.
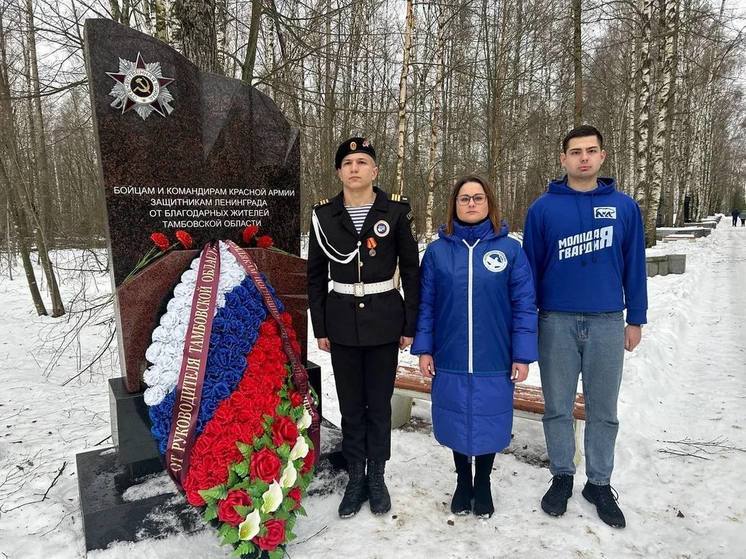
[[528, 401]]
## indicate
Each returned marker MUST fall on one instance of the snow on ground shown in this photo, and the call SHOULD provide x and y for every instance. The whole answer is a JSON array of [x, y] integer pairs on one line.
[[685, 381]]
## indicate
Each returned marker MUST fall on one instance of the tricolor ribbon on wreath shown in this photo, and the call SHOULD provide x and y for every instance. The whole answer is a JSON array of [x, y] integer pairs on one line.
[[230, 403]]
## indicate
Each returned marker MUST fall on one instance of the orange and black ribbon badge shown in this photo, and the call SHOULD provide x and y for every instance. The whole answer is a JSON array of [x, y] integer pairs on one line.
[[371, 243]]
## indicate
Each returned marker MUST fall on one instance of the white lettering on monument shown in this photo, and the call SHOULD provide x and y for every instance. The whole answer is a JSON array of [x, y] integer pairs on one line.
[[183, 207]]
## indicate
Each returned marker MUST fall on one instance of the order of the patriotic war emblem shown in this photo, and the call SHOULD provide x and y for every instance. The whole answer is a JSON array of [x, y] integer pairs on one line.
[[141, 86]]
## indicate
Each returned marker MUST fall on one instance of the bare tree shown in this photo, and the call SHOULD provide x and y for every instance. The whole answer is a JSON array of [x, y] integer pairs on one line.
[[407, 53]]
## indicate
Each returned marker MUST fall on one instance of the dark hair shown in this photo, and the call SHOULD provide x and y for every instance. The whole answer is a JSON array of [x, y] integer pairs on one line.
[[582, 132], [493, 213]]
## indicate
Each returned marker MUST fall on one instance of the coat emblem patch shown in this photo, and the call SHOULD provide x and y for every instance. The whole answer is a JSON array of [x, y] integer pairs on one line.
[[495, 261], [604, 212], [381, 228]]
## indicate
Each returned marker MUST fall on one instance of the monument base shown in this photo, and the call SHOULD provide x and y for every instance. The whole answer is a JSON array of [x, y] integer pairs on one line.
[[119, 502], [130, 428], [112, 513], [331, 447]]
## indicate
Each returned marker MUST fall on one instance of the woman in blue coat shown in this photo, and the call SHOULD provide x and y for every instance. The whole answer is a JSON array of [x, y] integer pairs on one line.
[[476, 335]]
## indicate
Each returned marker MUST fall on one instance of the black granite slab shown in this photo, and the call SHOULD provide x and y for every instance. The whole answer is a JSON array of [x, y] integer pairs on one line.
[[108, 516], [130, 425]]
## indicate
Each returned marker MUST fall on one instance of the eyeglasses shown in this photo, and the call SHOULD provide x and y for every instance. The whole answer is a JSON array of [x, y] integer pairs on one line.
[[464, 199]]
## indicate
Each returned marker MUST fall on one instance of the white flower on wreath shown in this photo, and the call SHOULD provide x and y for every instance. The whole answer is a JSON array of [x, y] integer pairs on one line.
[[250, 526], [300, 448], [272, 498], [289, 476], [166, 351], [305, 421]]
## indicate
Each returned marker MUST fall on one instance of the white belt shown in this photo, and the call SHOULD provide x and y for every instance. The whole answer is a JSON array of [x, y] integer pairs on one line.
[[360, 289]]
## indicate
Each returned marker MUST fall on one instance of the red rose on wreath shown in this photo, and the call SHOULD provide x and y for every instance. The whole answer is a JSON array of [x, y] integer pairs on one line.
[[265, 241], [265, 465], [267, 403], [246, 431], [160, 240], [284, 431], [294, 494], [225, 413], [184, 238], [275, 535], [194, 498], [226, 508], [268, 328], [248, 233], [308, 461], [296, 399]]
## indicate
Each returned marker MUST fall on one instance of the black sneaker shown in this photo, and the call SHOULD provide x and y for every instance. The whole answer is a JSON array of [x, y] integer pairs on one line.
[[356, 492], [554, 501], [605, 498]]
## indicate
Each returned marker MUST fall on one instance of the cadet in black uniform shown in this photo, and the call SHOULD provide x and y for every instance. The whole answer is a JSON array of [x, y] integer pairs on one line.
[[360, 236]]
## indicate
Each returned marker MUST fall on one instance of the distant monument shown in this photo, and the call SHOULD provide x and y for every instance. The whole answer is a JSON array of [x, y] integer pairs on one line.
[[179, 149]]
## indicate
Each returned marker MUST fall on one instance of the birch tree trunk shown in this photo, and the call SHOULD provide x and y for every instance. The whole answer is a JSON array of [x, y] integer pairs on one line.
[[19, 192], [22, 237], [684, 159], [408, 29], [435, 126], [8, 180], [577, 13], [630, 185], [160, 11], [668, 14], [643, 104], [39, 141], [247, 69]]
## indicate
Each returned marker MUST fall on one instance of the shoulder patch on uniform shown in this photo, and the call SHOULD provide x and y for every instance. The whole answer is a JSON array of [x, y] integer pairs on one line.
[[399, 198], [323, 202]]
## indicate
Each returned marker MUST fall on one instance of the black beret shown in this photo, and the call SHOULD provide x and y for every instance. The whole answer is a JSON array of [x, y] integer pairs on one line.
[[353, 145]]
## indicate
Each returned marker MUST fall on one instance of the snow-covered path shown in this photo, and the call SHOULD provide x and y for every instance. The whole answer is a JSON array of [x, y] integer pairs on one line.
[[690, 382], [686, 380]]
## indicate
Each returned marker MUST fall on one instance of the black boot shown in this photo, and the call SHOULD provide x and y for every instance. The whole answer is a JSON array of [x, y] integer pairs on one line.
[[555, 499], [356, 492], [605, 501], [380, 501], [461, 502], [483, 506]]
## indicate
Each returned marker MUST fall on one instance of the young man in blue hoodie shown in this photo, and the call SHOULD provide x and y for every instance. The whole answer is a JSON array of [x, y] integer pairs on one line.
[[586, 246]]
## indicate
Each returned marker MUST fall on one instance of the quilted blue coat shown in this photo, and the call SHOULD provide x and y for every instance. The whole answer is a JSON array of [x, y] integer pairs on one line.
[[477, 316]]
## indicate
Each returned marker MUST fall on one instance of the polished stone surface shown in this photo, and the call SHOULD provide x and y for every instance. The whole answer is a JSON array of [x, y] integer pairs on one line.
[[140, 302], [109, 515], [223, 144], [225, 152], [130, 424]]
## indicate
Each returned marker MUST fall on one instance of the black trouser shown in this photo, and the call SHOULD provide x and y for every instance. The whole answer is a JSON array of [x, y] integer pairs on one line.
[[365, 382], [735, 221]]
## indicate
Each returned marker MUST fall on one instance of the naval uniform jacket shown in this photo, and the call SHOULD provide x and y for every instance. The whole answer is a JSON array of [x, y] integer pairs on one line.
[[373, 319]]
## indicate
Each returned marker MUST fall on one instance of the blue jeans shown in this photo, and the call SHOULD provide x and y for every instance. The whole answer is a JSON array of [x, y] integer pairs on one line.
[[594, 344]]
